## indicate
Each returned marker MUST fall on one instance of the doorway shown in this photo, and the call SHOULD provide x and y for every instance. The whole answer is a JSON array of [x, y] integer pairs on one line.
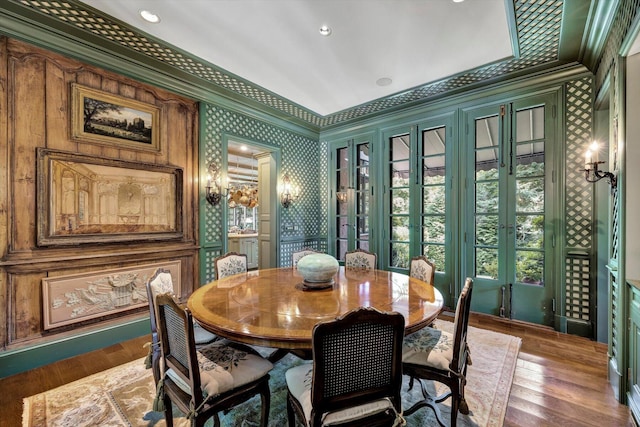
[[251, 214]]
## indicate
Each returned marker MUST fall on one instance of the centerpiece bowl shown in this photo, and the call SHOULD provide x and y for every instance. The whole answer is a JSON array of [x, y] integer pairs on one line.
[[318, 270]]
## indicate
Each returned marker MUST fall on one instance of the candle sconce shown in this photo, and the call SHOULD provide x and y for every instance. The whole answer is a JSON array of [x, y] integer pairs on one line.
[[341, 195], [592, 173], [215, 191], [289, 192]]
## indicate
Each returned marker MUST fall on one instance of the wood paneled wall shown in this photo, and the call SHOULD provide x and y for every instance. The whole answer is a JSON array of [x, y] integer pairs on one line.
[[35, 108]]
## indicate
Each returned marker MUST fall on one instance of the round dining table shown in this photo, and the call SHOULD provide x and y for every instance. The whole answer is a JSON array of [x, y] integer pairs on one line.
[[273, 307]]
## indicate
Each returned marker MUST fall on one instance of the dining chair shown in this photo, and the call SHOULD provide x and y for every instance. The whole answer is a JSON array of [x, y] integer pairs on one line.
[[229, 264], [162, 283], [202, 382], [295, 257], [436, 355], [355, 378], [360, 258], [421, 268]]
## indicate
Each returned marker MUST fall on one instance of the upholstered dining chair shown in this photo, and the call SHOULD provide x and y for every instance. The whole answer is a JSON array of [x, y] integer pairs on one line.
[[421, 268], [202, 382], [355, 378], [229, 264], [360, 258], [295, 257], [162, 283], [432, 354]]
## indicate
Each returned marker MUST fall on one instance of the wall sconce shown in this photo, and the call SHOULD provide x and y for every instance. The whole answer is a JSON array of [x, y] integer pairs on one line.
[[591, 171], [215, 192], [341, 195], [289, 192]]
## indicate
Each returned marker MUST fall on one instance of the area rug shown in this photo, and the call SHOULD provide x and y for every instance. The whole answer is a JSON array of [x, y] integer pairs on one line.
[[123, 396]]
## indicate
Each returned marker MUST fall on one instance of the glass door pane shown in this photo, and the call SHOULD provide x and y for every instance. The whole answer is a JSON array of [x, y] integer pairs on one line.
[[433, 167], [342, 211], [352, 204], [363, 192], [530, 196], [399, 171], [487, 200]]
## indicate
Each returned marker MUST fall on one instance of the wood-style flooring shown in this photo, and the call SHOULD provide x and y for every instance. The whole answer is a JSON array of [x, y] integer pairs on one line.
[[560, 380]]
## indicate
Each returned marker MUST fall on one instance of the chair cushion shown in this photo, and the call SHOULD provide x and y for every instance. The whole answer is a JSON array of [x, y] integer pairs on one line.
[[420, 270], [230, 265], [429, 347], [163, 284], [299, 384], [360, 260], [201, 335], [225, 366]]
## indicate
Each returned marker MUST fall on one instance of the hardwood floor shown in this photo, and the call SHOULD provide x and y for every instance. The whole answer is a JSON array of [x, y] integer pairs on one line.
[[560, 380]]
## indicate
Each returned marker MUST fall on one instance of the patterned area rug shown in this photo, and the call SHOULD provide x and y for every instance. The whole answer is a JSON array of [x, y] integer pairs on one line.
[[123, 396]]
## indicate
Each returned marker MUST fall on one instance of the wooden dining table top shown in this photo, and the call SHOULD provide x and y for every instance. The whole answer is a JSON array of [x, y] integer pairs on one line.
[[272, 308]]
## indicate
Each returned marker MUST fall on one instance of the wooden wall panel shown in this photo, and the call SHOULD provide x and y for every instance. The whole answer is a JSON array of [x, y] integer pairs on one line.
[[36, 89], [4, 186]]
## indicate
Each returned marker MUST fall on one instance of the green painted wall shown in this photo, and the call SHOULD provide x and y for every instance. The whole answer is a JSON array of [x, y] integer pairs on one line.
[[302, 224]]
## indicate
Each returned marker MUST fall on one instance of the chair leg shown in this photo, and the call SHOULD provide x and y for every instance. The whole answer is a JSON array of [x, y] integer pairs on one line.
[[455, 406], [265, 397], [168, 411], [428, 401], [291, 416], [464, 408]]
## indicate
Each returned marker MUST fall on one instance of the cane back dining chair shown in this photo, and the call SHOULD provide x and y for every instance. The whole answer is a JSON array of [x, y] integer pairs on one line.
[[421, 268], [360, 258], [162, 283], [432, 354], [229, 264], [295, 257], [355, 378], [213, 378]]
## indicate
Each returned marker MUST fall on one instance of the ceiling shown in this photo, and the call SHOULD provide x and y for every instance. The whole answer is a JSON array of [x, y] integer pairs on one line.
[[277, 44], [269, 55]]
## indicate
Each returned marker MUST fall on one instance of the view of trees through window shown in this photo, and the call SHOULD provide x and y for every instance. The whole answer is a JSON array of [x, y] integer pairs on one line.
[[528, 229], [510, 198], [432, 215]]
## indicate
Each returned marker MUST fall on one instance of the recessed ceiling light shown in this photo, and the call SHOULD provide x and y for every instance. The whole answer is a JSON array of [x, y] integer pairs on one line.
[[325, 30], [384, 81], [458, 1], [149, 16]]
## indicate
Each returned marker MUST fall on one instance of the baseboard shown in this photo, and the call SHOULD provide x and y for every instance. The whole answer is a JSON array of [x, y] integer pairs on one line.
[[15, 361]]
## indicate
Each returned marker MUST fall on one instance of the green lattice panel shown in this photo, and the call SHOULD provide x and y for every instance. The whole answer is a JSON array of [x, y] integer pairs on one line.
[[206, 267], [299, 160], [287, 250], [608, 68], [579, 192], [538, 25], [324, 174], [624, 18], [577, 288]]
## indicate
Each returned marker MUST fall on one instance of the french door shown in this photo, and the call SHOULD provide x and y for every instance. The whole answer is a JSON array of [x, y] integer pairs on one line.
[[509, 230], [418, 189], [352, 193]]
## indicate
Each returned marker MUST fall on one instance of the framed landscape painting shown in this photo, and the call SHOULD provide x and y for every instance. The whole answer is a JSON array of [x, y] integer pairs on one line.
[[105, 118], [89, 199]]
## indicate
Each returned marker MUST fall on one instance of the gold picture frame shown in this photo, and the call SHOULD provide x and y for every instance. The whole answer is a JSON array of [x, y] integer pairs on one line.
[[104, 118], [87, 199]]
